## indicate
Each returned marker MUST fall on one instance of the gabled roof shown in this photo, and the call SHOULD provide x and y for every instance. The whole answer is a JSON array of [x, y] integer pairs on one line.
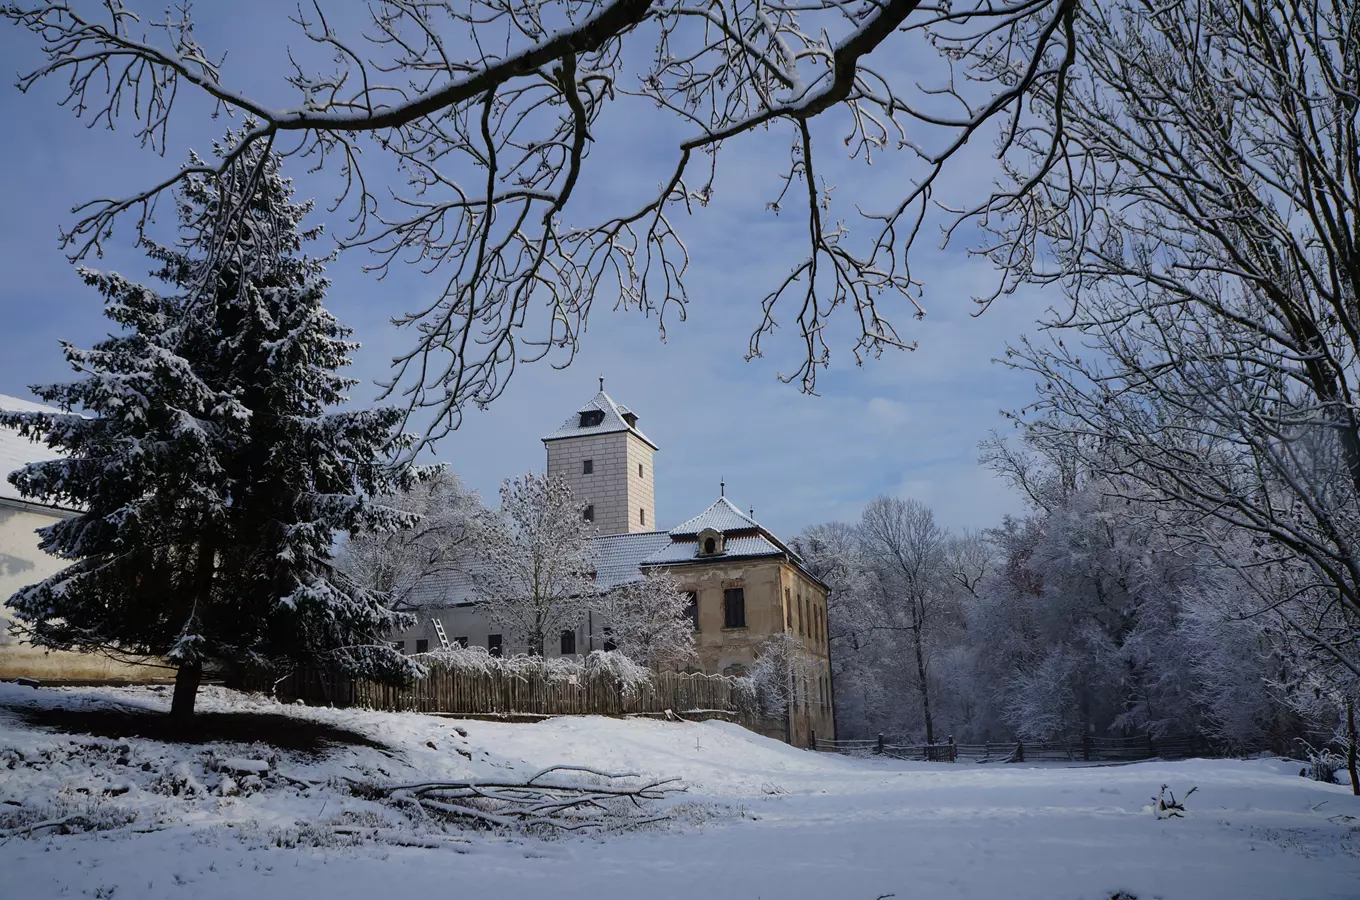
[[721, 516], [17, 452], [612, 422]]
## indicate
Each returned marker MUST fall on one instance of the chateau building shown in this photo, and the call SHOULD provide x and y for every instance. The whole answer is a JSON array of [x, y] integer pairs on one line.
[[745, 584]]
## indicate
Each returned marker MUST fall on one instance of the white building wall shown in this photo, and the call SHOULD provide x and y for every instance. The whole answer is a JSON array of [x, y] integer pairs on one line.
[[470, 623], [621, 485], [21, 564]]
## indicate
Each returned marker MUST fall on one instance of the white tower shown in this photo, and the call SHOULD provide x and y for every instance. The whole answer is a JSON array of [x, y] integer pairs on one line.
[[608, 464]]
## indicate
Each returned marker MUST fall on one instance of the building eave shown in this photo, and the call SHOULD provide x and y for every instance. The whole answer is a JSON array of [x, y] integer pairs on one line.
[[60, 512]]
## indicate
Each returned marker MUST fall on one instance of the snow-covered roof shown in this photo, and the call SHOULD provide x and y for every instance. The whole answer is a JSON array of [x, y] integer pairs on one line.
[[618, 561], [620, 555], [747, 546], [721, 516], [613, 421], [17, 452]]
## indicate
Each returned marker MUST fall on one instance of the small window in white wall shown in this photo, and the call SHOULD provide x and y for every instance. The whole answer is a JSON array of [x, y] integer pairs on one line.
[[642, 515], [588, 467], [589, 514], [639, 470]]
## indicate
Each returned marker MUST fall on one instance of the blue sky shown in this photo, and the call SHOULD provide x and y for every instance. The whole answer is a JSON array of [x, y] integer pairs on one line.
[[907, 424]]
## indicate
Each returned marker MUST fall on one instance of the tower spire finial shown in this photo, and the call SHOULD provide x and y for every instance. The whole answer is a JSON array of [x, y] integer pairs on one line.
[[602, 383], [722, 488]]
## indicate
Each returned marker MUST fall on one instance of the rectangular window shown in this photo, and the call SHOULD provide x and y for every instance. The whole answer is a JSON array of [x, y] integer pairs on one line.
[[692, 608], [802, 614], [642, 515], [422, 645], [568, 643], [493, 644], [461, 641], [639, 470], [608, 639], [588, 467], [734, 608], [589, 514], [788, 611]]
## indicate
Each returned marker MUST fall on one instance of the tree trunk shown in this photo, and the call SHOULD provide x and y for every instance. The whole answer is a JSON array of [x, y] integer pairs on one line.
[[186, 690], [1351, 747], [925, 690]]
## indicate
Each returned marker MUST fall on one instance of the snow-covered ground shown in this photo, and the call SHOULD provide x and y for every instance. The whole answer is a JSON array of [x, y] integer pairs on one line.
[[759, 819]]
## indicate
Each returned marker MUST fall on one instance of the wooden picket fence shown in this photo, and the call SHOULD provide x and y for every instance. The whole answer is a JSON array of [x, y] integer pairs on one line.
[[450, 690], [1077, 749]]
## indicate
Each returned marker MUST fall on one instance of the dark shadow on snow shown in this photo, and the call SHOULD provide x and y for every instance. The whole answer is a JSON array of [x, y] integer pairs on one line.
[[283, 732]]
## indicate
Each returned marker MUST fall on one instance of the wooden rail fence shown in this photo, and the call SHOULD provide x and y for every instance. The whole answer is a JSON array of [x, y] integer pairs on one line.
[[1078, 749], [456, 691]]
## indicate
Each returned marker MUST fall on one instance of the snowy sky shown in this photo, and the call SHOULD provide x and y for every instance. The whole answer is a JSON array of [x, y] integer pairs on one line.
[[907, 424]]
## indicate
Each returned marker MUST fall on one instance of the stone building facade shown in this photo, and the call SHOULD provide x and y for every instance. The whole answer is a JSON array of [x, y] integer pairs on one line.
[[746, 584]]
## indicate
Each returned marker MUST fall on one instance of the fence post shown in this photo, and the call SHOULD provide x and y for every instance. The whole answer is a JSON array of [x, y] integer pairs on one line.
[[1019, 754], [879, 748], [953, 750], [1086, 746]]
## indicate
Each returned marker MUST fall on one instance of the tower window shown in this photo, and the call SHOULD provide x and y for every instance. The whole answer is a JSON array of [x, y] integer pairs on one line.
[[639, 470], [589, 514], [734, 608], [588, 467], [592, 417], [642, 515]]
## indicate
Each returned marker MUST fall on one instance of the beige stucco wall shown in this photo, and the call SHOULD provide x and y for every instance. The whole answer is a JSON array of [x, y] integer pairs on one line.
[[624, 501], [22, 563], [731, 650]]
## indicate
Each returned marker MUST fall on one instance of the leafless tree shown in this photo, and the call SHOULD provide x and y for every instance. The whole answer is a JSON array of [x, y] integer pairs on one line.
[[907, 553], [395, 563], [648, 622], [535, 573], [1204, 221], [490, 109]]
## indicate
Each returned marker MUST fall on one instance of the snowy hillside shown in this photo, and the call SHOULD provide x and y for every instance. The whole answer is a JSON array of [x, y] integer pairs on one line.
[[758, 819]]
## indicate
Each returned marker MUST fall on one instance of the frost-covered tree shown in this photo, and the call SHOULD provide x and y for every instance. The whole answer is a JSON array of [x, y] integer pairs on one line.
[[503, 118], [535, 569], [202, 451], [451, 519], [649, 622], [907, 554], [1203, 221]]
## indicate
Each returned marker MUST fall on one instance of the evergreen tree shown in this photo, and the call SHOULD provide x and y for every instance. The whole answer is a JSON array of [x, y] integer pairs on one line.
[[210, 474]]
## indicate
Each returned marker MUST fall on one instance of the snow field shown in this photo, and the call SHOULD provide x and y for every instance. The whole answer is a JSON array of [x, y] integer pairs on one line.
[[759, 820]]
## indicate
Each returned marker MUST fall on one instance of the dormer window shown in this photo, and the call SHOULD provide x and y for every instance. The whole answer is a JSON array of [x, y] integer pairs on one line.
[[711, 542], [630, 418], [592, 417]]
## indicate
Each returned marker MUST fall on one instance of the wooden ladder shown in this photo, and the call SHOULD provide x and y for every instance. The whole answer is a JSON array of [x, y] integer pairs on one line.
[[439, 630]]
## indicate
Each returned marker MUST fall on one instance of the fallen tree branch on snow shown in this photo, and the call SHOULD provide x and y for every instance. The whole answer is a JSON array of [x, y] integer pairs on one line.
[[545, 802]]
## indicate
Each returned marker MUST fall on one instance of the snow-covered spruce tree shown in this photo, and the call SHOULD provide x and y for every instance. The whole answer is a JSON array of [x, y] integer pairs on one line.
[[535, 570], [210, 474], [649, 622]]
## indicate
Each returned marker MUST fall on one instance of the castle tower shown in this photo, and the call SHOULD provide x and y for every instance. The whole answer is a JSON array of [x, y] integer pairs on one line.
[[608, 464]]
